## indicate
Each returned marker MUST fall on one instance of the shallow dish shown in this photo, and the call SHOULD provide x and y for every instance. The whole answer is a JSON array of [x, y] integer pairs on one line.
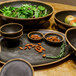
[[70, 36], [60, 19], [11, 30], [26, 22], [35, 33], [17, 67], [9, 51], [58, 36]]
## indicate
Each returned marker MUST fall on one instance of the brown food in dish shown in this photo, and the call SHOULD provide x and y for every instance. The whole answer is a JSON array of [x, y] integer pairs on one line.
[[53, 39], [43, 49], [29, 47], [30, 44], [33, 46], [20, 48], [35, 37], [44, 55], [38, 47], [39, 44], [25, 48]]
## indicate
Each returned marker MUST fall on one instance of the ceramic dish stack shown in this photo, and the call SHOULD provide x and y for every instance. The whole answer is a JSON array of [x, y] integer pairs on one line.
[[11, 31]]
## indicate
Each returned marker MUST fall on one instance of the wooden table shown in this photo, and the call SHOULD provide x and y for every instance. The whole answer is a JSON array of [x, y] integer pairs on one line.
[[66, 67]]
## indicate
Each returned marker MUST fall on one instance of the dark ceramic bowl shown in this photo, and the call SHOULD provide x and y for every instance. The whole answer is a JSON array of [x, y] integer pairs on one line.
[[61, 38], [60, 19], [26, 22], [11, 30], [14, 38], [35, 33], [70, 36], [17, 67]]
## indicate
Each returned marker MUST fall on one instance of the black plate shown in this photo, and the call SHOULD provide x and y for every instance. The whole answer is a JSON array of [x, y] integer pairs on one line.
[[71, 37], [17, 67], [11, 51]]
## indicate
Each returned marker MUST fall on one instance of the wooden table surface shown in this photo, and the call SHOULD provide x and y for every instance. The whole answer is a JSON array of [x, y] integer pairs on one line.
[[66, 67]]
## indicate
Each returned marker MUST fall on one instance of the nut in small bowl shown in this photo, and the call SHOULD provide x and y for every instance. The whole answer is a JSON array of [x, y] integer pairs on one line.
[[53, 38], [35, 36]]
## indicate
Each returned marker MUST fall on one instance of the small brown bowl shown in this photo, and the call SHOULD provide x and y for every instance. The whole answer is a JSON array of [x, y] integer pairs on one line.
[[60, 19], [70, 36], [61, 38], [11, 30], [14, 38], [35, 33]]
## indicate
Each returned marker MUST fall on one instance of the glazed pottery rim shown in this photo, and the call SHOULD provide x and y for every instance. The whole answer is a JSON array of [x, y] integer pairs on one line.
[[67, 38], [9, 24], [62, 38], [20, 59], [36, 33], [28, 18], [60, 20], [14, 37]]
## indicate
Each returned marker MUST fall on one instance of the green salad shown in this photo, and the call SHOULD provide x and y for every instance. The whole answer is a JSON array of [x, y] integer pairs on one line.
[[24, 11]]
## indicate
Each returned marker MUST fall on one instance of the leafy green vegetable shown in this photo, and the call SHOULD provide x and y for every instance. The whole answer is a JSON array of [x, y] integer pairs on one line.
[[61, 52], [24, 11], [41, 8]]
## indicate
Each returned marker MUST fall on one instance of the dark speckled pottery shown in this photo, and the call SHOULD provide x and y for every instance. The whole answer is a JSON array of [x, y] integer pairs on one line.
[[17, 67], [26, 22], [70, 36], [11, 30], [60, 19]]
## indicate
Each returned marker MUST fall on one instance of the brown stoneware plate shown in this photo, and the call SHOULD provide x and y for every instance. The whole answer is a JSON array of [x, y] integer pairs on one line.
[[30, 21], [60, 19], [17, 67], [70, 36], [11, 50]]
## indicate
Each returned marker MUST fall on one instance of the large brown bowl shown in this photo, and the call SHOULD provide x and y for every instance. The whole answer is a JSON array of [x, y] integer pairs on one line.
[[26, 22], [70, 36], [60, 19]]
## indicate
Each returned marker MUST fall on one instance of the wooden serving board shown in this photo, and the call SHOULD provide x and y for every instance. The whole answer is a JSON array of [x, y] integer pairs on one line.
[[11, 50]]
